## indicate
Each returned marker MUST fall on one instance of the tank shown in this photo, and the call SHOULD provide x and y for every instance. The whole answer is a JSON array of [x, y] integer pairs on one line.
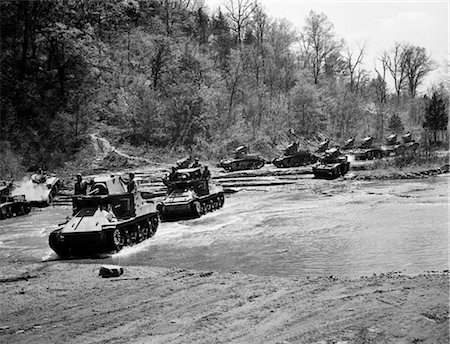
[[40, 190], [367, 151], [105, 220], [242, 161], [392, 146], [410, 146], [11, 206], [323, 146], [294, 157], [348, 144], [332, 165], [189, 195]]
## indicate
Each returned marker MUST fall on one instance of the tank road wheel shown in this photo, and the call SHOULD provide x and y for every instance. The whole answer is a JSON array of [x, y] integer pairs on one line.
[[221, 201], [144, 231], [258, 164], [154, 222], [118, 239], [138, 230], [134, 236], [197, 209], [334, 173]]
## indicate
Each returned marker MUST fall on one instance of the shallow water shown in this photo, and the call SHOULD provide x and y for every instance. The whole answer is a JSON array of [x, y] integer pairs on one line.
[[312, 227]]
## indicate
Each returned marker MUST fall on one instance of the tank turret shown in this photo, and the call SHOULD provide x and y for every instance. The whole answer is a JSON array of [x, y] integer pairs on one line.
[[348, 144], [407, 137], [105, 220], [323, 146]]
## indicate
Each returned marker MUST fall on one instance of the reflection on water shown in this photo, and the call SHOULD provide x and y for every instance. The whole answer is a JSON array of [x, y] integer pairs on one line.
[[319, 228]]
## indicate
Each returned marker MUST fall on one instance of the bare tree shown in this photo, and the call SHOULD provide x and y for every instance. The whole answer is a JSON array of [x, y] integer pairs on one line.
[[417, 64], [393, 62], [319, 47], [239, 13], [353, 61]]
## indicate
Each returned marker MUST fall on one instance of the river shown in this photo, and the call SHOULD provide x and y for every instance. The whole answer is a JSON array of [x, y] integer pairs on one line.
[[308, 228]]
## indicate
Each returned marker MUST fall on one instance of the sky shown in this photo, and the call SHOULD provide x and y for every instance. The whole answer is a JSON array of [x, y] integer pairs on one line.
[[377, 24]]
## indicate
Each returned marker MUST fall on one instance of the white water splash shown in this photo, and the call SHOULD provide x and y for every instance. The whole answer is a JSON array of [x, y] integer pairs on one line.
[[31, 190]]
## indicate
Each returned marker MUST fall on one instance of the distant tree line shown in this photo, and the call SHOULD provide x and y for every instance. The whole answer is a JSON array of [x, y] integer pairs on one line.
[[168, 73]]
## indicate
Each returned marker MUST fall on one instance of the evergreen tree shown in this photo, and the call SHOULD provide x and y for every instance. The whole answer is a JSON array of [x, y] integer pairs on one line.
[[395, 123], [436, 117]]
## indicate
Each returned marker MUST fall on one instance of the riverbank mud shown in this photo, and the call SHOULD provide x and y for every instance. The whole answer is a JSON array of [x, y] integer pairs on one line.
[[70, 303]]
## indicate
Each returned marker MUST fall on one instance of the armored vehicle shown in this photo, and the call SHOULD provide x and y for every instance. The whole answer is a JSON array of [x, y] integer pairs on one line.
[[348, 144], [367, 151], [40, 189], [185, 162], [189, 195], [332, 165], [242, 161], [105, 220], [392, 147], [11, 205], [294, 157], [409, 144], [323, 146]]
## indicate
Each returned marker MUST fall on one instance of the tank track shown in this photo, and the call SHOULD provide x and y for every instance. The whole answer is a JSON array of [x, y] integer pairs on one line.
[[8, 210], [210, 204], [109, 240], [293, 161], [244, 165], [195, 208], [331, 173]]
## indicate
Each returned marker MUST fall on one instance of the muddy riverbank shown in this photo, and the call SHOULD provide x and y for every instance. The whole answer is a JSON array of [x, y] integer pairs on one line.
[[69, 302]]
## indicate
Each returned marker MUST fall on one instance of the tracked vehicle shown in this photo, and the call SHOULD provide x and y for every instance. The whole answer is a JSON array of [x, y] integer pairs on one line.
[[242, 161], [348, 144], [409, 144], [294, 157], [332, 165], [189, 195], [323, 146], [41, 189], [11, 205], [105, 220], [393, 146], [367, 150]]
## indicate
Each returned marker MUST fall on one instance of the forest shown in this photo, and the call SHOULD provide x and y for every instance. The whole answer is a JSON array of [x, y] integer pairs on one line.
[[174, 76]]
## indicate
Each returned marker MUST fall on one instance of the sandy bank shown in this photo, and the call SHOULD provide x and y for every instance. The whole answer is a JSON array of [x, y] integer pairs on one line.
[[67, 302]]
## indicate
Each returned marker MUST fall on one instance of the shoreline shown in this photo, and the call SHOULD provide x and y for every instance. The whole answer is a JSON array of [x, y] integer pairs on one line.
[[50, 303]]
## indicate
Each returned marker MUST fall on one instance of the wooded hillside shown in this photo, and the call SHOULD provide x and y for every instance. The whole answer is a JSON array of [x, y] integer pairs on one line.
[[171, 74]]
